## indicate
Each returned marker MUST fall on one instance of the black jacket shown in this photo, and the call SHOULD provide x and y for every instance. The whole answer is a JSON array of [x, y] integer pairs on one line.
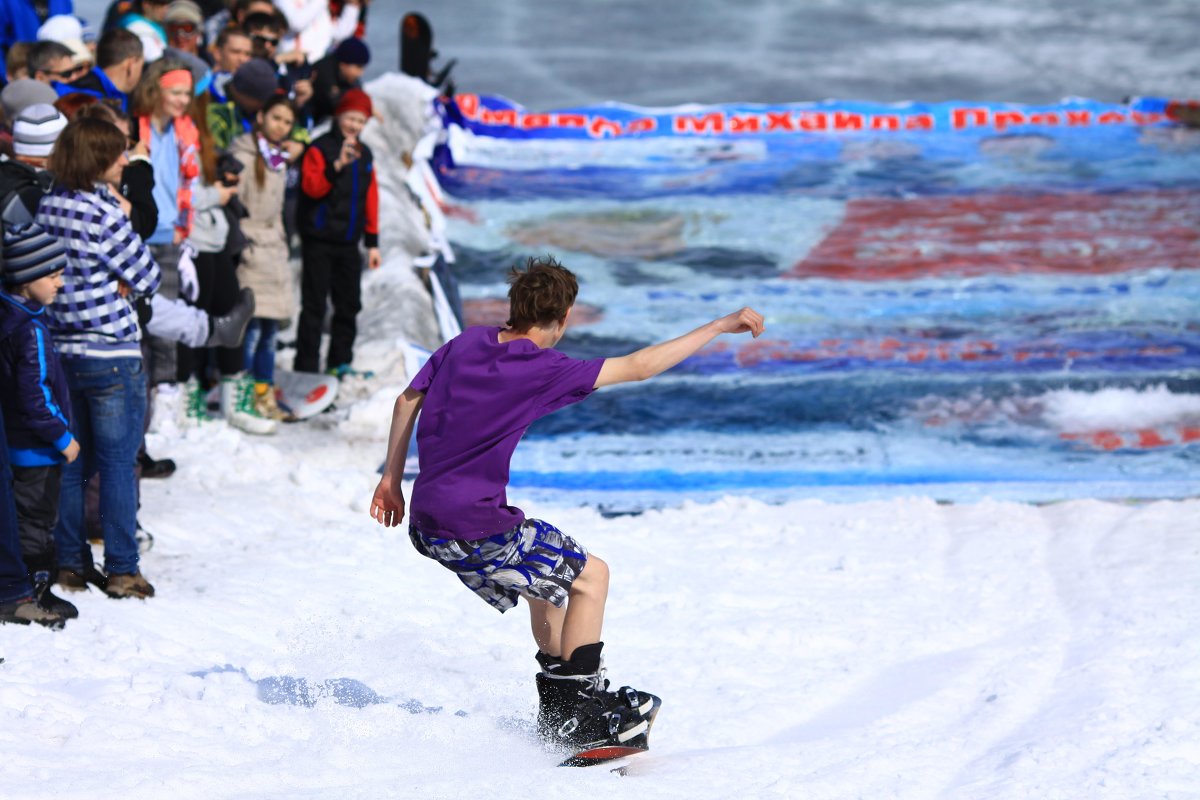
[[338, 207]]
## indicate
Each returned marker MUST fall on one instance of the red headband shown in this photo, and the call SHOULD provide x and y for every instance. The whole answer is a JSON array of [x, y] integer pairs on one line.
[[175, 78]]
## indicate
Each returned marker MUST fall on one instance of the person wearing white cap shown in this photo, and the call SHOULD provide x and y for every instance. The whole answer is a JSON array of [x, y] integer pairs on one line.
[[68, 30]]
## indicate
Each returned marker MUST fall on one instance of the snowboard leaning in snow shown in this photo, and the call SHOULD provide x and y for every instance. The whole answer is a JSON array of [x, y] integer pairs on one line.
[[305, 394]]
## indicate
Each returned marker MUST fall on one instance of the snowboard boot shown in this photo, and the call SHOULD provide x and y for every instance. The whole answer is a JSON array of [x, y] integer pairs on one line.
[[41, 576], [237, 406], [577, 711], [228, 330]]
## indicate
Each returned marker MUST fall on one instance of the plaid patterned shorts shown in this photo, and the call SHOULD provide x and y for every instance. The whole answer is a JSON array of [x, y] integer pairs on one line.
[[534, 559]]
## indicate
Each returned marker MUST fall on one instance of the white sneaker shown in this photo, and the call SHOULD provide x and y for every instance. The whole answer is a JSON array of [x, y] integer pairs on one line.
[[170, 409], [237, 406]]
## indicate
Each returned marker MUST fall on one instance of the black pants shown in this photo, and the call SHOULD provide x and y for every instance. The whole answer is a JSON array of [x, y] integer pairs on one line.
[[217, 282], [330, 272], [36, 491]]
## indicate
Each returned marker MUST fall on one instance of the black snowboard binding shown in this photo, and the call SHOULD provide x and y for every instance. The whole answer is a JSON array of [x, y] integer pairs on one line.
[[577, 711]]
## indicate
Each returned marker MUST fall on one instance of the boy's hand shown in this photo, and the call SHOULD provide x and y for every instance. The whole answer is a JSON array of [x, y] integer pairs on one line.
[[348, 155], [387, 506], [71, 451], [746, 320], [374, 258]]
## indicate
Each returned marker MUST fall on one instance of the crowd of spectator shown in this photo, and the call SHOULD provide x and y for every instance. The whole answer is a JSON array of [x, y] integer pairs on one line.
[[156, 175]]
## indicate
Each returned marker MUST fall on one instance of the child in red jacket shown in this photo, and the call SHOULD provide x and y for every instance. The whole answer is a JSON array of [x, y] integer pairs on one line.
[[338, 209]]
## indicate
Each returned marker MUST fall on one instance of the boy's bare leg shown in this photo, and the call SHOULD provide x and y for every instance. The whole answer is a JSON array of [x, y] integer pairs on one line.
[[559, 631], [547, 622]]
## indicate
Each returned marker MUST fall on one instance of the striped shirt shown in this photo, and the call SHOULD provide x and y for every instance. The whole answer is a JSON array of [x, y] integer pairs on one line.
[[93, 315]]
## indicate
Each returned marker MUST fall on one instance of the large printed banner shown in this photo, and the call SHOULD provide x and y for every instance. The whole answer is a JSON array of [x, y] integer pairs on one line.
[[497, 116], [958, 294], [496, 149]]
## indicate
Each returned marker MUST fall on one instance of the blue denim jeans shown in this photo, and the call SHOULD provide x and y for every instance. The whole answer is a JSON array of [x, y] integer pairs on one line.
[[260, 349], [108, 407]]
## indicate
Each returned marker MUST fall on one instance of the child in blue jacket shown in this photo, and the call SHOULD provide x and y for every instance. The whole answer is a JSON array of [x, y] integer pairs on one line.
[[36, 402]]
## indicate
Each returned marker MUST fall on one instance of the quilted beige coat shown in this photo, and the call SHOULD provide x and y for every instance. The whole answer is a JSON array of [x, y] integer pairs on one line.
[[265, 267]]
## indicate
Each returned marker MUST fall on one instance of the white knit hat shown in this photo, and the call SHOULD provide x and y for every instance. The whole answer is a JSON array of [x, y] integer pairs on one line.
[[36, 129]]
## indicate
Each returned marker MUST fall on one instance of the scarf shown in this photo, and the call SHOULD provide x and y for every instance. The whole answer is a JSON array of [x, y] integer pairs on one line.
[[275, 157]]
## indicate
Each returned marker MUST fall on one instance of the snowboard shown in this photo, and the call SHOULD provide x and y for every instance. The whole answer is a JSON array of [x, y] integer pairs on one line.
[[305, 394], [602, 755]]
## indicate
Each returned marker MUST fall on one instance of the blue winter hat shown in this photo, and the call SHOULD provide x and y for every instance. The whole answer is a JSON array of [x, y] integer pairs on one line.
[[30, 253], [353, 51]]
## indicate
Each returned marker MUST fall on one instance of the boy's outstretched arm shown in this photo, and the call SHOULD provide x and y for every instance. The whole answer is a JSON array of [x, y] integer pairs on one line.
[[650, 361], [387, 506]]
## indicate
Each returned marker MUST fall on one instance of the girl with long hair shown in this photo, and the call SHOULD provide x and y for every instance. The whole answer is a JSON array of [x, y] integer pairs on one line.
[[160, 105], [265, 266]]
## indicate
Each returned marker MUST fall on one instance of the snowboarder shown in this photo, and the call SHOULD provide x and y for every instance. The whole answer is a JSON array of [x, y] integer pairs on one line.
[[479, 393]]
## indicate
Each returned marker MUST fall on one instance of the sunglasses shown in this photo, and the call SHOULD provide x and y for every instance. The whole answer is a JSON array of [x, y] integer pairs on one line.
[[68, 75], [183, 28], [271, 40]]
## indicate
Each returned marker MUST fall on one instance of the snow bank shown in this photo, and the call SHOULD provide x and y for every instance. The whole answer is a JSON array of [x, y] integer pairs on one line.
[[887, 649]]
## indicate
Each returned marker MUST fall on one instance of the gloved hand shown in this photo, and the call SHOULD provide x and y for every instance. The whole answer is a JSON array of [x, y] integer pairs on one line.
[[189, 284]]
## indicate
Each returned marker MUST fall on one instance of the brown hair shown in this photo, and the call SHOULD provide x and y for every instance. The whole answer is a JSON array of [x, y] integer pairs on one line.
[[116, 46], [228, 33], [541, 293], [143, 102], [71, 104], [18, 59], [208, 153], [83, 153], [101, 109], [260, 163]]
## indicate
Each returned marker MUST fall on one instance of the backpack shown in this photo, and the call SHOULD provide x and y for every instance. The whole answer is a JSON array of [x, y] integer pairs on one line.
[[22, 188]]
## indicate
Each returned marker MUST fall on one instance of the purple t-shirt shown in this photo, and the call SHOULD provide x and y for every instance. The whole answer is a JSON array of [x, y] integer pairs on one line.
[[481, 396]]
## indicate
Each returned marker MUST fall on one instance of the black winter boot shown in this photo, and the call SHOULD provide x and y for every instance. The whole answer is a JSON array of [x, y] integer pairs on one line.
[[42, 573], [577, 711]]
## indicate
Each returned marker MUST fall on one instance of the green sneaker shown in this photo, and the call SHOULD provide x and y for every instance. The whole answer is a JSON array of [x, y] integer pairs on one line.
[[237, 404], [196, 408]]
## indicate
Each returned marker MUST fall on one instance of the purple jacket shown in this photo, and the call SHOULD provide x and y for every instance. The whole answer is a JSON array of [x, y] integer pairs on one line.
[[33, 387]]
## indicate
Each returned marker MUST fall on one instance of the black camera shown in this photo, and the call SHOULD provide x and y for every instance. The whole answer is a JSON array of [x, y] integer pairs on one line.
[[229, 168]]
